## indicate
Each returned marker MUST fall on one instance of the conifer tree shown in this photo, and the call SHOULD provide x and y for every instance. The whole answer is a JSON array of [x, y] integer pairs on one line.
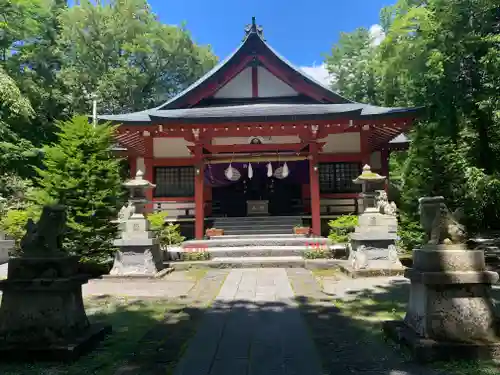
[[81, 173]]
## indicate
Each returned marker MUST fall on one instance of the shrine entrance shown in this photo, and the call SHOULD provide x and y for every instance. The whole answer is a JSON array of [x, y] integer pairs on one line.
[[259, 195]]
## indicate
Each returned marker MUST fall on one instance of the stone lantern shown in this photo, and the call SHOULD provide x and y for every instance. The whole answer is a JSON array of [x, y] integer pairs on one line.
[[139, 251], [369, 182], [137, 224], [372, 250]]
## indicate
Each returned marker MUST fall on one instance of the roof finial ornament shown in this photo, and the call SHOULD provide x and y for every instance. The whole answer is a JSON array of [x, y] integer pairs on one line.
[[254, 28]]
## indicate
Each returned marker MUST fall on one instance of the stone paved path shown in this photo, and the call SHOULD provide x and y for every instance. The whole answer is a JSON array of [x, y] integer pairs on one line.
[[253, 328], [171, 286]]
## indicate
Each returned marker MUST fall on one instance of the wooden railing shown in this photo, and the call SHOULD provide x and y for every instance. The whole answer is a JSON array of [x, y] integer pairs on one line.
[[335, 206]]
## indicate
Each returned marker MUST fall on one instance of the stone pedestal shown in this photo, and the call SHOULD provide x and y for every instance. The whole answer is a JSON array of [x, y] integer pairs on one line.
[[137, 258], [450, 314], [139, 252], [372, 250], [42, 315]]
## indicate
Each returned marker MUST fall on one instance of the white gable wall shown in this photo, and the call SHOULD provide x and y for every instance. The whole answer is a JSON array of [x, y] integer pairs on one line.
[[239, 87], [270, 86]]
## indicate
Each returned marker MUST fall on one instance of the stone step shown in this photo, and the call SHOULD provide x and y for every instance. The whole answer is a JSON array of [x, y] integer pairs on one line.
[[262, 251], [243, 226], [255, 241], [261, 220], [244, 262], [282, 231], [271, 235]]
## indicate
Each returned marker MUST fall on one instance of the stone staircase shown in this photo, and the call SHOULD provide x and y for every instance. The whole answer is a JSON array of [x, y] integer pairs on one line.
[[256, 242], [261, 225], [256, 250]]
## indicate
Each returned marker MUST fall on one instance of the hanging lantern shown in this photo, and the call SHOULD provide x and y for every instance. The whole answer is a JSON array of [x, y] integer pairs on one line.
[[269, 170], [232, 174], [250, 171], [286, 172]]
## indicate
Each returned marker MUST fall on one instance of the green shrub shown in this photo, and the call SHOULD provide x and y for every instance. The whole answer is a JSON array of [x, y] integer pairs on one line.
[[167, 234], [410, 235], [341, 227], [195, 256], [13, 223], [80, 172], [318, 254]]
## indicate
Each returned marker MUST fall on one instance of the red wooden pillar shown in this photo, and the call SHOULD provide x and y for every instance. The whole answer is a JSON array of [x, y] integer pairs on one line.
[[199, 200], [132, 162], [314, 186], [365, 145], [148, 166]]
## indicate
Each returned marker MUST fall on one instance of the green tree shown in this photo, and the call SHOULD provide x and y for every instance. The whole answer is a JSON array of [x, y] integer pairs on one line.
[[443, 55], [81, 173], [16, 153], [352, 64], [119, 51], [35, 67]]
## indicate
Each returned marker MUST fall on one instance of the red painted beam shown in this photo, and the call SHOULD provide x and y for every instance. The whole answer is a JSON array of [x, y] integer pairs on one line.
[[255, 81], [221, 149], [211, 88], [252, 129]]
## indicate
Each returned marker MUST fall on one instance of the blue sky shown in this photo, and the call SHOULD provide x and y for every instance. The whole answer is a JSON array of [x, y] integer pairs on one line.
[[300, 31]]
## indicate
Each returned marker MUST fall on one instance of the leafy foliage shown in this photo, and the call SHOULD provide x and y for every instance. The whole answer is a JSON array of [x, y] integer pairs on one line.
[[13, 223], [167, 234], [120, 52], [195, 256], [341, 227], [443, 55], [15, 152], [80, 172], [318, 254]]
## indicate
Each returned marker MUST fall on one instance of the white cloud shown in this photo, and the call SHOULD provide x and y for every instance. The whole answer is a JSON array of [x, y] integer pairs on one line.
[[377, 34], [318, 72]]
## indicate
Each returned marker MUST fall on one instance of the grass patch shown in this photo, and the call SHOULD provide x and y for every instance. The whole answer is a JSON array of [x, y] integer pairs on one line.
[[470, 368], [196, 274], [371, 308], [326, 272], [131, 319]]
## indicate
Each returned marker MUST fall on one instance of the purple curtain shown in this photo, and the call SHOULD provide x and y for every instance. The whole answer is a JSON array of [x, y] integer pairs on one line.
[[215, 177]]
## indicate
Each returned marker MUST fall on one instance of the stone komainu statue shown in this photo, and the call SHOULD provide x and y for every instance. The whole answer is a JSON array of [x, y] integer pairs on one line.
[[439, 224], [45, 237], [383, 205], [126, 212]]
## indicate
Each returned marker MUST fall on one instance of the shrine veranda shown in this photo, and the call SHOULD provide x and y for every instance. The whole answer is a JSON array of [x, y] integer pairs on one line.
[[293, 145]]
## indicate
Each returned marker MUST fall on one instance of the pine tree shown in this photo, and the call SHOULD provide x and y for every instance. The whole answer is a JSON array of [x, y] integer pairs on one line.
[[81, 173]]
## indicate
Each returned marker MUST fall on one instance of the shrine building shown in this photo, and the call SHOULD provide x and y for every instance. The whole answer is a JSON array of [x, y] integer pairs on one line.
[[257, 136]]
